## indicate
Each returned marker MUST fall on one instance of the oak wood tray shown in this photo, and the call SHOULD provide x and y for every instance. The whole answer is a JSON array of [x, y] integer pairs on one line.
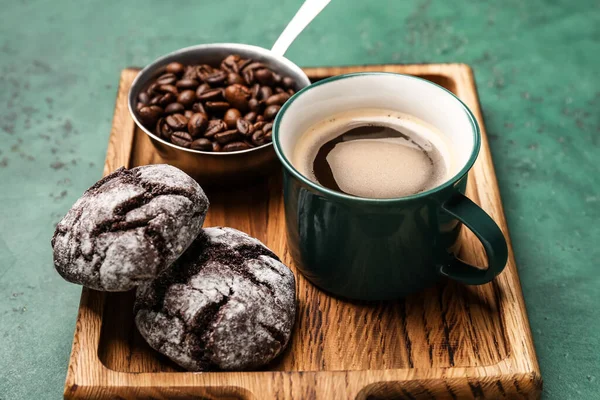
[[450, 341]]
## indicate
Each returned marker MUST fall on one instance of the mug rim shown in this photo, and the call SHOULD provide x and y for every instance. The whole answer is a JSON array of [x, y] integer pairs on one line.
[[343, 196]]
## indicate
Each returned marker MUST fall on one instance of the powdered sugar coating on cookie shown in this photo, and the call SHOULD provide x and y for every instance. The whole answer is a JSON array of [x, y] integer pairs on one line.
[[227, 304], [129, 227]]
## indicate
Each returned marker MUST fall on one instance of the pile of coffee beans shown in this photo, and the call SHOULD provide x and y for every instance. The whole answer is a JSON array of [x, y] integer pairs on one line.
[[226, 108]]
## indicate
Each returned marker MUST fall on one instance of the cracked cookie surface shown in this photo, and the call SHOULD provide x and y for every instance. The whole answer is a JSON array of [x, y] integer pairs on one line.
[[227, 303], [129, 227]]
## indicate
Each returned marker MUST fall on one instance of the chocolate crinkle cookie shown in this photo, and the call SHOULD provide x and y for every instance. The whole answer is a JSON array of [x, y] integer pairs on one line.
[[129, 227], [228, 303]]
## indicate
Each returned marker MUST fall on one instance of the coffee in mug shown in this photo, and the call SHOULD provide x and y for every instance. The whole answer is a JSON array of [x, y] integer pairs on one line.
[[374, 153]]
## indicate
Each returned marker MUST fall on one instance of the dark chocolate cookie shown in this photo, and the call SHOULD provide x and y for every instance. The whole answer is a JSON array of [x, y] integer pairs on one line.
[[228, 303], [129, 227]]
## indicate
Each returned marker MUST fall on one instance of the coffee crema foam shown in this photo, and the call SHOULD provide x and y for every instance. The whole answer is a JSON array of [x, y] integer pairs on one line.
[[417, 158]]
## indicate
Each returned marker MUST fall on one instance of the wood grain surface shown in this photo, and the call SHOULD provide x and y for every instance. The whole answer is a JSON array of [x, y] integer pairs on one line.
[[450, 341]]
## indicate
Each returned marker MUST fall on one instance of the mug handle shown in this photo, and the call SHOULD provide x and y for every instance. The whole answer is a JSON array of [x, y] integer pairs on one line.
[[489, 234]]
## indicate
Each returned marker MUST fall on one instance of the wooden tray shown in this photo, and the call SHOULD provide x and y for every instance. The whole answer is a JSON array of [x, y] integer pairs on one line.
[[450, 341]]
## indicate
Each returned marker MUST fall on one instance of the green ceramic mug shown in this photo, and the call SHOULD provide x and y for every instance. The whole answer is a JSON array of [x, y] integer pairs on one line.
[[375, 249]]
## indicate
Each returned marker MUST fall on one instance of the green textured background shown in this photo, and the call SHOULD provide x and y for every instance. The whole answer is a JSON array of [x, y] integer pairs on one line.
[[536, 64]]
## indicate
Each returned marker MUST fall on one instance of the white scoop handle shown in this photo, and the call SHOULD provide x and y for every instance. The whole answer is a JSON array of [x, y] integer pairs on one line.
[[307, 12]]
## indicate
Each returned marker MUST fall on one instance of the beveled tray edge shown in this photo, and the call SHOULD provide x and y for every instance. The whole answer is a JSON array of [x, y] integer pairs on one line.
[[516, 375]]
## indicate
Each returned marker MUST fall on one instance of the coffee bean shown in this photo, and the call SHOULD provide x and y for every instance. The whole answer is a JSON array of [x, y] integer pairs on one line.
[[188, 114], [187, 98], [177, 122], [243, 63], [168, 89], [182, 139], [174, 108], [216, 106], [234, 78], [269, 136], [153, 89], [175, 68], [264, 76], [229, 64], [253, 65], [259, 118], [265, 93], [271, 112], [166, 99], [154, 100], [290, 92], [190, 72], [244, 127], [187, 83], [202, 71], [198, 108], [139, 105], [277, 99], [254, 106], [248, 76], [202, 89], [202, 144], [163, 130], [236, 146], [143, 98], [166, 79], [231, 116], [255, 90], [258, 126], [279, 90], [197, 124], [268, 126], [150, 113], [216, 78], [214, 126], [237, 95], [227, 136], [216, 147], [211, 95], [288, 82], [276, 78], [251, 116], [258, 138]]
